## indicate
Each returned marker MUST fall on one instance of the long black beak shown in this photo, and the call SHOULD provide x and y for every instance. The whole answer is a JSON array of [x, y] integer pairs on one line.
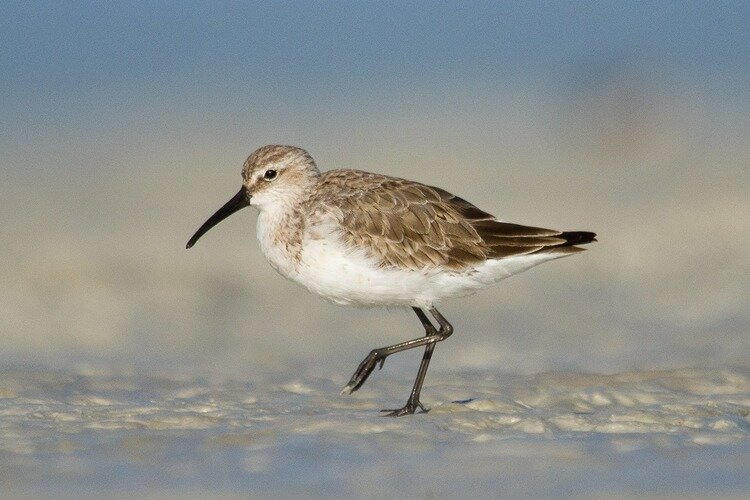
[[238, 202]]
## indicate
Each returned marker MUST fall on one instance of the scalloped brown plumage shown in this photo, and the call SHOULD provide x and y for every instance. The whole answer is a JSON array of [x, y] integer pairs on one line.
[[408, 225]]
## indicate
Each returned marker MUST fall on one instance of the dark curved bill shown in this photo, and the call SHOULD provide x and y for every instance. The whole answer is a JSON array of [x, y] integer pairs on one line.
[[238, 202]]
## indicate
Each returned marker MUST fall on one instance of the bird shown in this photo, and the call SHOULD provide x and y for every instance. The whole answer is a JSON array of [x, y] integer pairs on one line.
[[366, 239]]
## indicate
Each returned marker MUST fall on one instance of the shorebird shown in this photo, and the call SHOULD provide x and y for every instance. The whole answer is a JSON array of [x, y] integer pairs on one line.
[[367, 239]]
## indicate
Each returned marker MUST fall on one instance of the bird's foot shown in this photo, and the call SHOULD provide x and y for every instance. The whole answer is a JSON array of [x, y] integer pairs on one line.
[[364, 370], [409, 409]]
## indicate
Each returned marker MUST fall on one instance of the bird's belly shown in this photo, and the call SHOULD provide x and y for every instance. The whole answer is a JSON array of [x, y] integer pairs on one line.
[[348, 276]]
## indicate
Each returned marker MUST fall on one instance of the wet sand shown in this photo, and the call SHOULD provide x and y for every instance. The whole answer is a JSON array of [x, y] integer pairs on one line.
[[94, 431]]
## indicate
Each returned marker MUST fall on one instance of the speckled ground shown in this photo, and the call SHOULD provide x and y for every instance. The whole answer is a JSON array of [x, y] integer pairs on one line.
[[555, 434]]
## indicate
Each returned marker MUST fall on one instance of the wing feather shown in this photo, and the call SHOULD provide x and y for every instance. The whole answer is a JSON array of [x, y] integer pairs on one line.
[[409, 225]]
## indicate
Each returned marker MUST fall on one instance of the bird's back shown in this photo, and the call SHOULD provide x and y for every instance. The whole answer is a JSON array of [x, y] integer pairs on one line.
[[407, 225]]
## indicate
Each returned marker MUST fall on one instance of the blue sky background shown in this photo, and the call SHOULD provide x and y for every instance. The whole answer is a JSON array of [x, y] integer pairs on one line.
[[55, 51], [124, 125]]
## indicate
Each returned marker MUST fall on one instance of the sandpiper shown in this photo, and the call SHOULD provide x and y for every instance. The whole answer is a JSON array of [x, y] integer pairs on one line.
[[367, 239]]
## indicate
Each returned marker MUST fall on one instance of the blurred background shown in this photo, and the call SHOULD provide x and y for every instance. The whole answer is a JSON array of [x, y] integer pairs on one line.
[[124, 126]]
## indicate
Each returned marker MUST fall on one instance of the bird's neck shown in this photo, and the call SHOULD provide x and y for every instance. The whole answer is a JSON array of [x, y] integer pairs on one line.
[[279, 231]]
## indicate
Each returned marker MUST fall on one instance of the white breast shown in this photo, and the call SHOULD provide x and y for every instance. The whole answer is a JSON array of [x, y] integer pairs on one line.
[[270, 230]]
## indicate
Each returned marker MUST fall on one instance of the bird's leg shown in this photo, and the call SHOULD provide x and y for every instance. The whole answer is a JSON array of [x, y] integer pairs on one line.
[[378, 355], [445, 331]]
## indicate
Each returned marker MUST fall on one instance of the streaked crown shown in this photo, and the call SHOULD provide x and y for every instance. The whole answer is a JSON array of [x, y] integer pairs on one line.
[[276, 156]]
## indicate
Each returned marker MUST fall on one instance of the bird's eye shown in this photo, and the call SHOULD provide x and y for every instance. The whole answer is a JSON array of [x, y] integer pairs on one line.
[[269, 175]]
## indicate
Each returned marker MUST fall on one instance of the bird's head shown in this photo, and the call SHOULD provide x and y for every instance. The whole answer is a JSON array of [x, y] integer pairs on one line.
[[272, 177]]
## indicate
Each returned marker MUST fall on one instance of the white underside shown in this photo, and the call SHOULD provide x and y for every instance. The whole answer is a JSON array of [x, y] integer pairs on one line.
[[348, 276]]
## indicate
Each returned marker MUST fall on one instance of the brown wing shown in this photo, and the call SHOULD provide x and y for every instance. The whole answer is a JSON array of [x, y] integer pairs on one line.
[[504, 239], [410, 225]]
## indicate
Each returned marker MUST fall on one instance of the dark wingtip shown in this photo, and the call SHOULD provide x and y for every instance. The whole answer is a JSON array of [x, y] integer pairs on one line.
[[578, 237]]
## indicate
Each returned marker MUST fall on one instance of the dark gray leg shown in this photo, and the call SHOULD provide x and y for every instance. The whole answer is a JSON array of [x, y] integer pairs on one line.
[[413, 402], [376, 356]]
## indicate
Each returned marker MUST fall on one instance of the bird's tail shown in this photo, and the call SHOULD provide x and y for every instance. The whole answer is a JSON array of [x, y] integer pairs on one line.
[[573, 238]]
